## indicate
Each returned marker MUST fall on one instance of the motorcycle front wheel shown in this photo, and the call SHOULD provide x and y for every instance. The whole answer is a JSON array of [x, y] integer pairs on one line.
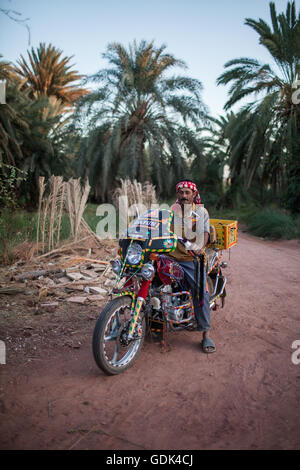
[[112, 351]]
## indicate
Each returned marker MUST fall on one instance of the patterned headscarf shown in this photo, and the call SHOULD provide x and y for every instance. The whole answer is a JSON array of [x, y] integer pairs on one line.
[[189, 185]]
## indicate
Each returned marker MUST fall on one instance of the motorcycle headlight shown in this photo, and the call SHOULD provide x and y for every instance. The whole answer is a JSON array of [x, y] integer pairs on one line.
[[116, 266], [134, 254], [147, 271]]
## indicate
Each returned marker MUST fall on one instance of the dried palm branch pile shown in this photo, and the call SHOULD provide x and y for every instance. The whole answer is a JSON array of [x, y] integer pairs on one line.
[[63, 275], [78, 271]]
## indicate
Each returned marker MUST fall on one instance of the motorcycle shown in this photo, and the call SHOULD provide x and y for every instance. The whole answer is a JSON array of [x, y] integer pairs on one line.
[[149, 291]]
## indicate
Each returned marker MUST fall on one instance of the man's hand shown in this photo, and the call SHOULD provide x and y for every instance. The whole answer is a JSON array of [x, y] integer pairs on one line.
[[199, 251]]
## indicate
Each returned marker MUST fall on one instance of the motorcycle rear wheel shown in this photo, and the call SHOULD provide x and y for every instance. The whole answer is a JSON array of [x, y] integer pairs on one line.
[[110, 349]]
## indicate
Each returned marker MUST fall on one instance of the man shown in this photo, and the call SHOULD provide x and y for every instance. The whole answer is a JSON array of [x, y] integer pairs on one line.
[[191, 222]]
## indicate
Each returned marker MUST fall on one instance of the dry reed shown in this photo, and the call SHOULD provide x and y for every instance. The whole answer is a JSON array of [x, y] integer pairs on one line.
[[139, 195], [55, 197]]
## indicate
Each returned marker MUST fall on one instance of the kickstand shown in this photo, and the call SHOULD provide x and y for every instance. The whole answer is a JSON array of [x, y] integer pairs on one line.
[[164, 347]]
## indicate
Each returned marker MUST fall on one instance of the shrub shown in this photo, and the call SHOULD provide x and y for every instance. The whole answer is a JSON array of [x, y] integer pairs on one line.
[[272, 224]]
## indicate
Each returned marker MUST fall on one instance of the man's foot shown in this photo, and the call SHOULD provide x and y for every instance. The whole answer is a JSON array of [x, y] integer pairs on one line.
[[208, 346]]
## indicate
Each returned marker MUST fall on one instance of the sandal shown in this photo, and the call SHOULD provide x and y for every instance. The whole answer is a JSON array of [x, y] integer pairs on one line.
[[208, 343]]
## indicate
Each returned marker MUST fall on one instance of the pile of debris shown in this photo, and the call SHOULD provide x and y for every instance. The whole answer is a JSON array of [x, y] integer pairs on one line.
[[80, 271], [60, 277]]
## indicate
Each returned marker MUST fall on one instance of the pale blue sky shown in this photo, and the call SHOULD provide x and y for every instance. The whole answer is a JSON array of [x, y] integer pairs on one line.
[[205, 34]]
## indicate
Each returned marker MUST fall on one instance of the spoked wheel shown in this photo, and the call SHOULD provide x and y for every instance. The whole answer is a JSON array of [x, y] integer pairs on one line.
[[112, 350]]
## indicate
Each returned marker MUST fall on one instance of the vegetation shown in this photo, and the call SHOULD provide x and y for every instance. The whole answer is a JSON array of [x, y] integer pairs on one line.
[[10, 177], [270, 223], [138, 120], [142, 122], [18, 234], [47, 74], [263, 139]]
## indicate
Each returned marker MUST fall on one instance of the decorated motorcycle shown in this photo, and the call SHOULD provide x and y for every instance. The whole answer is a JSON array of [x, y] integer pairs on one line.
[[150, 293]]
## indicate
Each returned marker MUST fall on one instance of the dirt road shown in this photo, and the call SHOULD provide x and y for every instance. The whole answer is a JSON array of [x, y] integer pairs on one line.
[[244, 396]]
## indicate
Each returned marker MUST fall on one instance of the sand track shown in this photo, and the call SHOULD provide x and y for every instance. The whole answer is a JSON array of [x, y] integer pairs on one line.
[[244, 396]]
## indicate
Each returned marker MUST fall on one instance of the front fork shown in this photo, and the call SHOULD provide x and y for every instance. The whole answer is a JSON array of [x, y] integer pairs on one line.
[[141, 297]]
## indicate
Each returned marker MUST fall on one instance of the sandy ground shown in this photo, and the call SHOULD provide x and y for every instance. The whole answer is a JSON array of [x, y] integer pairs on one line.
[[244, 396]]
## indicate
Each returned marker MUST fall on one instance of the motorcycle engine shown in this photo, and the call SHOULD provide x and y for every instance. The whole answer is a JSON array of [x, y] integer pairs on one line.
[[172, 304]]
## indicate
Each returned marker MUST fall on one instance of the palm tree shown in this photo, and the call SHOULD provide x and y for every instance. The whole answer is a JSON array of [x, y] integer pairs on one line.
[[271, 126], [31, 140], [6, 69], [240, 139], [11, 123], [49, 74], [283, 43], [143, 123]]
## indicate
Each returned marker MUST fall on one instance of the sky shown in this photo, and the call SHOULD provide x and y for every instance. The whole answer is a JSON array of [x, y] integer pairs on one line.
[[203, 33]]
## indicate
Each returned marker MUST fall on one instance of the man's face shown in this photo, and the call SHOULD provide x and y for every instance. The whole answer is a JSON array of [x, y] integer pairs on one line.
[[185, 196]]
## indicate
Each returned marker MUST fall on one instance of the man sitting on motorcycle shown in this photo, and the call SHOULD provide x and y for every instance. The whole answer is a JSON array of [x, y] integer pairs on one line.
[[191, 222]]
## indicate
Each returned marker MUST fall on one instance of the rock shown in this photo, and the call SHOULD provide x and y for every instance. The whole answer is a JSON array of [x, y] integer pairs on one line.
[[98, 267], [86, 278], [75, 276], [77, 299], [90, 273], [73, 345], [49, 307], [109, 283], [96, 297], [97, 290], [109, 272], [12, 290], [62, 280], [49, 282], [30, 292], [71, 288], [35, 274]]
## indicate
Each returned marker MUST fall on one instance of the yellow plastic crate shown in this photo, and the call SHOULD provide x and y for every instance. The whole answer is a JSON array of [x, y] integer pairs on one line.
[[226, 231]]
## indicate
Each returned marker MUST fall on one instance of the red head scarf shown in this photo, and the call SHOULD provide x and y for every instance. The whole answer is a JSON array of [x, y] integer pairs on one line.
[[189, 185]]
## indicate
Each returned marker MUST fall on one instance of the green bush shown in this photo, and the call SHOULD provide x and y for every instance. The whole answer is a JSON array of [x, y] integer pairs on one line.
[[90, 216], [242, 214], [272, 224]]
